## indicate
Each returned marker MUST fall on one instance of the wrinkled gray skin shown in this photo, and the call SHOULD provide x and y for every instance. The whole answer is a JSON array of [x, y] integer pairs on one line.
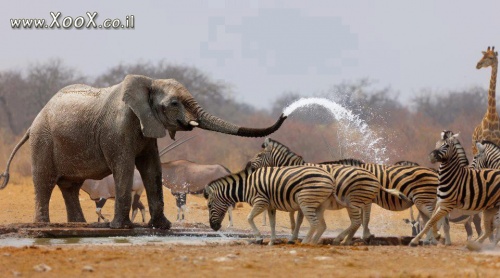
[[185, 177], [102, 190], [88, 133]]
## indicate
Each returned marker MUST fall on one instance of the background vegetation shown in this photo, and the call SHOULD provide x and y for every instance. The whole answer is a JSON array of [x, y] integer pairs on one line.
[[409, 130]]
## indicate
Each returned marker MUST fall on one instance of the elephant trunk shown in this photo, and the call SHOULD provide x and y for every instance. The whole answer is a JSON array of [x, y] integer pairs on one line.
[[210, 122]]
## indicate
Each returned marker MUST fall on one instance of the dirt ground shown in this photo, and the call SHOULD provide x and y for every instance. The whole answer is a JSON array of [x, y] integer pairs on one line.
[[240, 258]]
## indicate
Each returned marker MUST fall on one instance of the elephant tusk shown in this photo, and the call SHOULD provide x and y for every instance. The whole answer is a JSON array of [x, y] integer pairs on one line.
[[194, 123]]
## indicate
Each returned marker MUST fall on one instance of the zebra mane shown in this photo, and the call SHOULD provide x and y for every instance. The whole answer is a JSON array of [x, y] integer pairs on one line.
[[280, 145], [462, 157], [345, 161], [406, 163], [490, 143]]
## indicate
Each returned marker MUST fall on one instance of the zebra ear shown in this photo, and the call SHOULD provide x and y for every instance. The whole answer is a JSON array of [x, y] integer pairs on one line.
[[206, 193], [455, 135], [480, 147]]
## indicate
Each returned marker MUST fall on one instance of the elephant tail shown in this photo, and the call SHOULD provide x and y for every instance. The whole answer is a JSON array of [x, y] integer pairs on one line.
[[4, 178]]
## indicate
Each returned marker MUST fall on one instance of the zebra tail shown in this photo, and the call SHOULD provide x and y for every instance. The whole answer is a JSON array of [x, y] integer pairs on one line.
[[397, 193], [345, 204]]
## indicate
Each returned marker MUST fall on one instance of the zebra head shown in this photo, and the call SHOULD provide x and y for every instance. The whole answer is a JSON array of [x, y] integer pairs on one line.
[[488, 155], [217, 205], [444, 147], [273, 154]]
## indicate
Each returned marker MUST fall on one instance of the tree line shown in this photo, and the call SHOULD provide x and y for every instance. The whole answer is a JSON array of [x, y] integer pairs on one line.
[[409, 130]]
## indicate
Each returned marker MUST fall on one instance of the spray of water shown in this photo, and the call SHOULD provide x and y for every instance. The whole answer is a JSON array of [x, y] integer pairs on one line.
[[367, 145]]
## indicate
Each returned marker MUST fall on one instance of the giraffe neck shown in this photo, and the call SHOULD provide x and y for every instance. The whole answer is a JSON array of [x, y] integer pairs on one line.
[[492, 105]]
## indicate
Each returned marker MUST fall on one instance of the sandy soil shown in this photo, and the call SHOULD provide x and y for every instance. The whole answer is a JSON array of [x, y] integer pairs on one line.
[[240, 258]]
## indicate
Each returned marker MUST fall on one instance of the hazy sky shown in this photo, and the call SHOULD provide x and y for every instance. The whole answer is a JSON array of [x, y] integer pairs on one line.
[[264, 48]]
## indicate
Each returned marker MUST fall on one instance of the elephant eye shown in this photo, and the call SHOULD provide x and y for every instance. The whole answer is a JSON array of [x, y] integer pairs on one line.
[[174, 103]]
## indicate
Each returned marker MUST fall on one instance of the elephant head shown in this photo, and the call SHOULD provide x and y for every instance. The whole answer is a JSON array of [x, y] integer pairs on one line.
[[166, 104]]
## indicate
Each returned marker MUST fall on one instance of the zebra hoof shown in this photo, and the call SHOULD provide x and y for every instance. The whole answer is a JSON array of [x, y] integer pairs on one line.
[[258, 241], [413, 244]]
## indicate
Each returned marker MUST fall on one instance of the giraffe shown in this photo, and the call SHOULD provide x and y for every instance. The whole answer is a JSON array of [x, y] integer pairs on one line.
[[489, 128]]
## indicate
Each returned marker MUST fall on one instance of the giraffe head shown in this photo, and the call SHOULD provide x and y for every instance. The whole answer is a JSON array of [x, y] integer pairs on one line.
[[489, 58]]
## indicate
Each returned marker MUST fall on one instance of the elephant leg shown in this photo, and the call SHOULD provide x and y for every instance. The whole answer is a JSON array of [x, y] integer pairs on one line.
[[150, 169], [122, 176], [44, 177], [70, 192], [43, 191]]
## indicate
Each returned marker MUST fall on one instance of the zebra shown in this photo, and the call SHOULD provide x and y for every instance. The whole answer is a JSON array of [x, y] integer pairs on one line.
[[487, 156], [418, 185], [462, 187], [455, 216], [304, 188], [356, 188]]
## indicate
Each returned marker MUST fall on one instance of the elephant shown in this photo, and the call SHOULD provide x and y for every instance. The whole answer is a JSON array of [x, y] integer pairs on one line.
[[102, 190], [184, 177], [88, 133]]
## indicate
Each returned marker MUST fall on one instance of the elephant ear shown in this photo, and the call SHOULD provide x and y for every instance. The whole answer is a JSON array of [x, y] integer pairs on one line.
[[136, 94]]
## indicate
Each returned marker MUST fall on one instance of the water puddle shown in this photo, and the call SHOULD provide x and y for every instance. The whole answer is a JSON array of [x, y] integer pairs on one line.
[[143, 240]]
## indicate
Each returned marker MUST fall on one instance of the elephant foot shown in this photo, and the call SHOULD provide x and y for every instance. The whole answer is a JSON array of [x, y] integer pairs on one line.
[[161, 223], [80, 219], [121, 224]]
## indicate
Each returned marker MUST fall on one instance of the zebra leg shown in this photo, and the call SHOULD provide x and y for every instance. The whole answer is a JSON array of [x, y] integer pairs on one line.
[[446, 229], [476, 219], [264, 219], [296, 229], [230, 216], [291, 214], [347, 234], [257, 209], [272, 223], [320, 213], [439, 213], [468, 228], [366, 219], [488, 216], [310, 214], [426, 213]]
